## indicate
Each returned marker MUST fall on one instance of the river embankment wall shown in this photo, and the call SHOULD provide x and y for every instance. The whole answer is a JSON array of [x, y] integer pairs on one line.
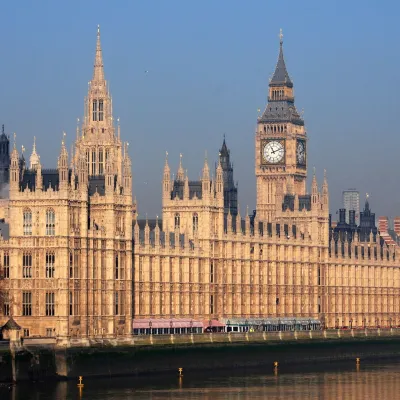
[[36, 359]]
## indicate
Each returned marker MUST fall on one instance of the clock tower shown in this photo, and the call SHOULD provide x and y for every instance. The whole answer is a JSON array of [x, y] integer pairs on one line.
[[280, 145]]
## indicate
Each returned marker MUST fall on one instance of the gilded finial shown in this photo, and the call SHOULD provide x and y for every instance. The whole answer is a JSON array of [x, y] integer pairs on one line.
[[280, 36], [15, 140], [63, 139], [367, 195], [98, 29], [22, 149], [314, 171], [166, 156], [118, 120], [324, 173], [206, 156], [34, 143]]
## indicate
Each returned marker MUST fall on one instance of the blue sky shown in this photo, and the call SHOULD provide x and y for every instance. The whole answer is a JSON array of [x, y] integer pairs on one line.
[[209, 64]]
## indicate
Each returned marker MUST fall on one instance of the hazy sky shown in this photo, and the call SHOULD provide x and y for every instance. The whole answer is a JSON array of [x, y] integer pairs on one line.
[[208, 66]]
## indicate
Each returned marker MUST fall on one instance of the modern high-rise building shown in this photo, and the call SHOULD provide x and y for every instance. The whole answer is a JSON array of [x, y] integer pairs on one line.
[[351, 201]]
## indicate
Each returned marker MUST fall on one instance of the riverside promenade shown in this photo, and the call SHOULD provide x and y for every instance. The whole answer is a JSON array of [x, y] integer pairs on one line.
[[53, 358]]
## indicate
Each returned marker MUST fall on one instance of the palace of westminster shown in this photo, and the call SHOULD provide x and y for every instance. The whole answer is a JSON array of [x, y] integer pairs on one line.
[[76, 262]]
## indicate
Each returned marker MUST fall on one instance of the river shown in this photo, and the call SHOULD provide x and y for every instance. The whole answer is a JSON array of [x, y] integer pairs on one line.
[[377, 380]]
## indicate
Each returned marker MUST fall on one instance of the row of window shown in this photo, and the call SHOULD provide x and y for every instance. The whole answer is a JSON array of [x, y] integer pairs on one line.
[[98, 110], [50, 222], [119, 265], [50, 303], [195, 220], [91, 161], [27, 304]]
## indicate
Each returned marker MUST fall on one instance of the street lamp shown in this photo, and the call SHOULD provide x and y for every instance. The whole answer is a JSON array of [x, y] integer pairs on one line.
[[228, 323], [210, 325], [150, 325], [337, 323], [245, 324], [365, 323], [170, 324], [390, 323], [351, 323], [191, 326]]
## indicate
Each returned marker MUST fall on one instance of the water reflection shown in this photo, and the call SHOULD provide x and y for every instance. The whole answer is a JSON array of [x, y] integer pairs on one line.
[[347, 381]]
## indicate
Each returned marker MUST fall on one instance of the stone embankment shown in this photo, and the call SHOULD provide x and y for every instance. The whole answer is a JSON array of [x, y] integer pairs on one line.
[[53, 358]]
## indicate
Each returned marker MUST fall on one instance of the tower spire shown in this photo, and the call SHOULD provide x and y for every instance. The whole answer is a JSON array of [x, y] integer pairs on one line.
[[98, 73], [281, 75]]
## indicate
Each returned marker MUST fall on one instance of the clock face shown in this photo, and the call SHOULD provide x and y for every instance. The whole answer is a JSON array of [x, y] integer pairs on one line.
[[273, 152], [301, 152]]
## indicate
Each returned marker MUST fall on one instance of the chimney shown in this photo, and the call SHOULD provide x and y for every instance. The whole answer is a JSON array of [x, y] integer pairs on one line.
[[342, 216], [352, 217]]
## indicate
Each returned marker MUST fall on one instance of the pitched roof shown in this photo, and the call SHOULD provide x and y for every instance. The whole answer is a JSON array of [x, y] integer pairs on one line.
[[281, 76], [10, 325]]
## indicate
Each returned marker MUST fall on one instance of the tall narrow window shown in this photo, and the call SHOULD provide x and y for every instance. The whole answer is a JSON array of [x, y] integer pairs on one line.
[[122, 266], [27, 265], [71, 304], [88, 161], [50, 307], [121, 303], [71, 265], [6, 304], [116, 267], [101, 162], [212, 304], [76, 264], [93, 161], [50, 223], [76, 302], [26, 303], [50, 258], [195, 222], [6, 265], [27, 222], [177, 221], [212, 272], [116, 304], [100, 110], [94, 110]]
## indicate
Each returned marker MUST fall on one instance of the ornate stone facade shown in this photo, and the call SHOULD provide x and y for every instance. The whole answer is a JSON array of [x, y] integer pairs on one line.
[[68, 261], [283, 261]]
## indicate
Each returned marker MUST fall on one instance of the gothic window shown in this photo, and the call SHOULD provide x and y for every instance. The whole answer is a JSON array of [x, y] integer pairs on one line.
[[100, 110], [6, 304], [50, 258], [71, 304], [76, 264], [212, 272], [177, 221], [27, 265], [71, 265], [27, 222], [93, 161], [50, 304], [88, 161], [94, 110], [122, 266], [116, 267], [50, 222], [195, 222], [26, 303], [101, 162], [76, 302], [116, 303], [6, 265]]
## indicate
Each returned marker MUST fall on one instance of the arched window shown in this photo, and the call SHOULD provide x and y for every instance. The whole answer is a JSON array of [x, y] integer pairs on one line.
[[50, 259], [94, 110], [93, 161], [50, 223], [101, 162], [195, 222], [27, 265], [177, 221], [100, 110], [27, 222], [88, 161]]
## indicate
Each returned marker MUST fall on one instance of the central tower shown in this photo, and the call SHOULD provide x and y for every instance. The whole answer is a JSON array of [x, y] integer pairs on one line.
[[281, 144]]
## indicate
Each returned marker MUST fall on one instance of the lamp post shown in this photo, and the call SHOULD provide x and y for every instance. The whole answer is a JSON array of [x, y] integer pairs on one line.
[[245, 324], [171, 325], [309, 324], [210, 325], [228, 323], [337, 323], [390, 323], [150, 325], [351, 323], [365, 323]]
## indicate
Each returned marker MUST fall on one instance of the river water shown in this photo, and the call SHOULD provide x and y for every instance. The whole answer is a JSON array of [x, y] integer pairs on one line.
[[378, 380]]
